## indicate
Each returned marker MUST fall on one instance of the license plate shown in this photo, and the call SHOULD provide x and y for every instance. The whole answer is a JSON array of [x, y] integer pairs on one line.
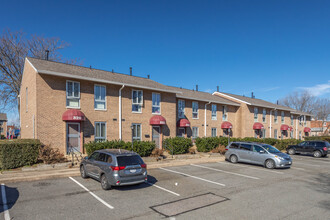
[[132, 170]]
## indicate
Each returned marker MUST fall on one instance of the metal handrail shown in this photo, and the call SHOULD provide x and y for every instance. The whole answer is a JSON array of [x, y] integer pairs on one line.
[[73, 153]]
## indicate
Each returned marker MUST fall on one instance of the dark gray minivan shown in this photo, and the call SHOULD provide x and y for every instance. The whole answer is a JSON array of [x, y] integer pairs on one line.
[[114, 167]]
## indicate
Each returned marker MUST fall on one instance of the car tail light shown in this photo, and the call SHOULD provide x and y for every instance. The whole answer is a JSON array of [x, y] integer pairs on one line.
[[117, 168], [325, 149], [144, 165], [226, 149]]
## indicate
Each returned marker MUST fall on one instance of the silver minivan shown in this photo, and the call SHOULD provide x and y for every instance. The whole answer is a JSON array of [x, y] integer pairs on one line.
[[257, 153], [114, 167]]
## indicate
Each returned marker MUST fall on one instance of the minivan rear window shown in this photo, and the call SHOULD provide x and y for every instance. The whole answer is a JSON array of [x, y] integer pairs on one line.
[[129, 160], [234, 145], [245, 147]]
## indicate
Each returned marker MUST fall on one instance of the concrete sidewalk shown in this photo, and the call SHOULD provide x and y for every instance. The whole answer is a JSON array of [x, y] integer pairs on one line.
[[64, 170]]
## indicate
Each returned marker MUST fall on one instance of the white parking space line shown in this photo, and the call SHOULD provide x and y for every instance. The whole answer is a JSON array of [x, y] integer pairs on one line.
[[151, 184], [310, 160], [4, 201], [95, 196], [249, 166], [195, 177], [223, 171]]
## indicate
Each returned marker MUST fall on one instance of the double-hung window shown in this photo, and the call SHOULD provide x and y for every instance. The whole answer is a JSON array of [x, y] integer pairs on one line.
[[275, 133], [100, 131], [282, 117], [264, 115], [275, 116], [305, 122], [224, 113], [195, 110], [155, 103], [99, 97], [214, 132], [137, 100], [136, 132], [214, 112], [194, 132], [72, 94], [255, 114], [181, 108], [291, 119]]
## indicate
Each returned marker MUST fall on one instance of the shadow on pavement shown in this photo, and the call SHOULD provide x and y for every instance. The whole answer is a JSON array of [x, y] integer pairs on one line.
[[12, 195], [323, 187], [151, 180]]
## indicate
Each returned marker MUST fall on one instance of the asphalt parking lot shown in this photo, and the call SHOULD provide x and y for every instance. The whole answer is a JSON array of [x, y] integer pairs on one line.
[[197, 191]]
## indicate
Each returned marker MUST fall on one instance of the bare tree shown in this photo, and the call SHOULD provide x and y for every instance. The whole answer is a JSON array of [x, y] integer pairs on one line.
[[322, 109], [14, 47], [302, 101]]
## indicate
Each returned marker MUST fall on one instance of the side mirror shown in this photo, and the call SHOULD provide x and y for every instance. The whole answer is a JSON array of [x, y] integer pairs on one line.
[[86, 158], [262, 152]]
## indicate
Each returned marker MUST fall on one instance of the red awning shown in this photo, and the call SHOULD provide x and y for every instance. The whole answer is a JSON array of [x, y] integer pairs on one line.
[[73, 115], [157, 120], [257, 126], [307, 129], [284, 127], [226, 125], [183, 123]]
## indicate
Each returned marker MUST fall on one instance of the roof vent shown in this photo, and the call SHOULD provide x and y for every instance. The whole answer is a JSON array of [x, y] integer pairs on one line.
[[252, 96], [90, 66], [148, 76], [112, 71], [47, 54], [218, 89], [196, 87], [130, 71]]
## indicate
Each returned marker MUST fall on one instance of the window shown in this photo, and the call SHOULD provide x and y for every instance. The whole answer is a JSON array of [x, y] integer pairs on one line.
[[94, 156], [214, 132], [224, 113], [264, 115], [263, 133], [257, 148], [155, 103], [234, 146], [181, 108], [300, 120], [136, 132], [291, 134], [26, 100], [275, 116], [72, 94], [195, 110], [282, 117], [299, 135], [275, 133], [255, 114], [245, 147], [194, 132], [100, 131], [305, 122], [137, 100], [214, 112], [99, 97], [291, 119]]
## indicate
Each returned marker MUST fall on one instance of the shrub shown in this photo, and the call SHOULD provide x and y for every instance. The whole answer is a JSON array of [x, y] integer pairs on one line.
[[206, 144], [2, 137], [50, 155], [157, 152], [321, 138], [18, 153], [220, 149], [177, 145], [143, 148]]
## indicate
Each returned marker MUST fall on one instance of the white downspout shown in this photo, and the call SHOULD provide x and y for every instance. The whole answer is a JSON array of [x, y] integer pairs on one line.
[[120, 111], [205, 119], [270, 122]]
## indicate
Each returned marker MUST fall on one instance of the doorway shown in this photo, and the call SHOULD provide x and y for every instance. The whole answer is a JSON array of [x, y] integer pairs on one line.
[[73, 137], [156, 135]]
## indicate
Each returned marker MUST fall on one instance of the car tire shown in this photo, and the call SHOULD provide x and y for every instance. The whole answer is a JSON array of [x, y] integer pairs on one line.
[[233, 159], [270, 164], [83, 172], [104, 182], [317, 153], [291, 151]]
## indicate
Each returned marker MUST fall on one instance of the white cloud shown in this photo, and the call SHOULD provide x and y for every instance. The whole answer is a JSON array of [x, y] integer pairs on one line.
[[208, 90], [319, 89], [269, 89]]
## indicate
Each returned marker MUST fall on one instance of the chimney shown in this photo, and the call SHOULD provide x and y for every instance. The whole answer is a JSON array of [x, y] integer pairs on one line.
[[196, 87], [130, 71], [90, 66], [112, 70], [277, 102], [148, 76], [217, 88], [252, 96], [47, 54]]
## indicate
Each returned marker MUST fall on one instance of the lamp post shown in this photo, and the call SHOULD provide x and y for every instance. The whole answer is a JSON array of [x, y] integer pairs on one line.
[[132, 135]]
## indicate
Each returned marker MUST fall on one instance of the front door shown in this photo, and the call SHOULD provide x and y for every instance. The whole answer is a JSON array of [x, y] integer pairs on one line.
[[182, 132], [73, 137], [156, 135]]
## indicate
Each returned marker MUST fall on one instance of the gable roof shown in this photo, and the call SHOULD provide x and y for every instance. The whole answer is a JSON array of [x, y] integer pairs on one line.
[[202, 96], [84, 73], [3, 117]]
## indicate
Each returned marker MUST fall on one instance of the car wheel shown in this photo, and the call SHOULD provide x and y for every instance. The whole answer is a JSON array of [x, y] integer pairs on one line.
[[233, 159], [317, 153], [83, 172], [104, 183], [270, 164], [291, 151]]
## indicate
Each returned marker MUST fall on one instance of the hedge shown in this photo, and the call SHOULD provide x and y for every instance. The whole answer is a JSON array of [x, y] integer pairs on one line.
[[206, 144], [321, 138], [179, 145], [143, 148], [18, 153]]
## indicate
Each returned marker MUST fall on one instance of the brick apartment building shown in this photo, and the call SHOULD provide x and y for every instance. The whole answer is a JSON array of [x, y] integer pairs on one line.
[[3, 125], [66, 106], [320, 128]]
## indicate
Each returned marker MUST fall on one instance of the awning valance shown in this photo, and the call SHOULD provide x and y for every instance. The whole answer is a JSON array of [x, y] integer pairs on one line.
[[284, 127], [258, 126], [157, 120], [226, 125], [183, 123], [73, 115], [307, 129]]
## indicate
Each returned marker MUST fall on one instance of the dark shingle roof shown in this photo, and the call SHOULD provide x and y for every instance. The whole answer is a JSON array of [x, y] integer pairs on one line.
[[85, 73], [3, 117]]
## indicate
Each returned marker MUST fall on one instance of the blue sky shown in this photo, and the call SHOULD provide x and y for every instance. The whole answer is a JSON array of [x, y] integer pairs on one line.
[[269, 47]]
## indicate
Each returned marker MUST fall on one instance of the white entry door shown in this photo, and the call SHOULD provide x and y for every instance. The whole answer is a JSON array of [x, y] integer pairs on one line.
[[73, 137]]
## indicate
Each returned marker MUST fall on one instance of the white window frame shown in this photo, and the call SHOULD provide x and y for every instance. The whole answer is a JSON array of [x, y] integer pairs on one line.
[[214, 129], [197, 133], [139, 104], [275, 116], [263, 133], [105, 127], [291, 117], [264, 113], [100, 100], [255, 114], [72, 97], [156, 106], [214, 113], [184, 108], [194, 112], [275, 133], [305, 121], [224, 113], [282, 117], [134, 136]]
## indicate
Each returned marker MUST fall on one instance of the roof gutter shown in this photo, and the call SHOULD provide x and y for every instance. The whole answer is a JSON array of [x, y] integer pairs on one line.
[[227, 96]]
